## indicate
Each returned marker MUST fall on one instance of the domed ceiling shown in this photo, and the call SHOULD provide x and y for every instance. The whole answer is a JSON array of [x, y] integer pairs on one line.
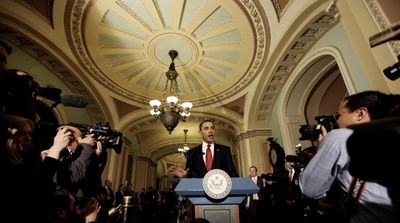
[[125, 45]]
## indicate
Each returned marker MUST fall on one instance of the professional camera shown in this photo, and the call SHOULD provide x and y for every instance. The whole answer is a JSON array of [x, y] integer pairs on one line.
[[393, 72], [111, 138], [311, 132]]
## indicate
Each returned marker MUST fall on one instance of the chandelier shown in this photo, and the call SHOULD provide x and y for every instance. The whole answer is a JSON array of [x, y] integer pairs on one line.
[[169, 110], [185, 147]]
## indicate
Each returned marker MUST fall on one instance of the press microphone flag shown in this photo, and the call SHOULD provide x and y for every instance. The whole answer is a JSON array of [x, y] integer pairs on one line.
[[78, 101]]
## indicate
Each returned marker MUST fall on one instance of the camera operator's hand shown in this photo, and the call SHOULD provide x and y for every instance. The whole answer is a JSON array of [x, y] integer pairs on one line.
[[61, 140], [322, 134], [88, 140], [99, 148]]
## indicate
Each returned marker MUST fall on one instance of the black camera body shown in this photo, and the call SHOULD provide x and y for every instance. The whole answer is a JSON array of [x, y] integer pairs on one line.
[[111, 138], [311, 132]]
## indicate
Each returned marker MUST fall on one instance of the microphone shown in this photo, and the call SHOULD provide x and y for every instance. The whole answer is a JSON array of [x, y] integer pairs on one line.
[[78, 101]]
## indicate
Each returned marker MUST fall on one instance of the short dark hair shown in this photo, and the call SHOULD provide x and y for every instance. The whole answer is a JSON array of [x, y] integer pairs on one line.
[[374, 101], [204, 121], [254, 168]]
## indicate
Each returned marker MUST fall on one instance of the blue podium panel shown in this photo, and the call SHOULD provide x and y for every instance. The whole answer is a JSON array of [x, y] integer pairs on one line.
[[207, 201], [192, 188]]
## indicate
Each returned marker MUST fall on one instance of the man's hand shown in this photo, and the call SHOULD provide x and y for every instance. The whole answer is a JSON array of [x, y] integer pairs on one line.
[[322, 134], [88, 140], [61, 140], [178, 171]]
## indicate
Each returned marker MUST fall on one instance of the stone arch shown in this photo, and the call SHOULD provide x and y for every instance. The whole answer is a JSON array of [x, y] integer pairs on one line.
[[314, 88]]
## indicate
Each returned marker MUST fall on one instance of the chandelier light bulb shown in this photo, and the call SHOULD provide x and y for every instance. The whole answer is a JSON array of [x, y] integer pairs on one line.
[[172, 99], [168, 110], [185, 114], [154, 112], [187, 105], [155, 103]]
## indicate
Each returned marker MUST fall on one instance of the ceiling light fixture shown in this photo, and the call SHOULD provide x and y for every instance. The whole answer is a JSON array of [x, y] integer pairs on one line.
[[185, 147], [169, 110]]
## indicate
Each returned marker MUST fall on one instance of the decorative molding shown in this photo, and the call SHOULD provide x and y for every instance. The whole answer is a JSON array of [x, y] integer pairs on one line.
[[253, 133], [48, 18], [308, 37], [382, 22], [254, 12], [278, 8], [56, 67]]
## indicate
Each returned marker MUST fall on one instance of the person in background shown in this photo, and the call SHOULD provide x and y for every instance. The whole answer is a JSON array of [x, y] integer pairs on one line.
[[255, 202], [63, 209], [21, 182], [78, 169], [361, 201], [119, 195], [293, 197], [207, 156]]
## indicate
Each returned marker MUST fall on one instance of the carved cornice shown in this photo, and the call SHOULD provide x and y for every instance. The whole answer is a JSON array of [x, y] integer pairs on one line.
[[254, 12], [253, 133], [380, 19], [306, 39]]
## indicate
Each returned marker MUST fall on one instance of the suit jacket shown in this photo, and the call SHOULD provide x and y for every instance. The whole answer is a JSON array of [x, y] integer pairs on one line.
[[222, 159], [259, 193], [79, 172], [292, 188]]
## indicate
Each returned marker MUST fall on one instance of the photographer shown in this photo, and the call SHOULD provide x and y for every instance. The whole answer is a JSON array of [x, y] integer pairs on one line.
[[327, 171], [78, 170]]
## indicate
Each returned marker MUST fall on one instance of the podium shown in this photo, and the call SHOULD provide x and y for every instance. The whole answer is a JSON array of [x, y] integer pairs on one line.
[[225, 210]]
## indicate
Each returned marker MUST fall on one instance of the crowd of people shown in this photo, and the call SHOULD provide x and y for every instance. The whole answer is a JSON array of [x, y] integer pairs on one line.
[[62, 183], [56, 183], [332, 186]]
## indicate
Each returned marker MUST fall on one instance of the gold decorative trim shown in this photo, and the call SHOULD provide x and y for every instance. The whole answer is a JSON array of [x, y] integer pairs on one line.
[[259, 19], [382, 22], [49, 11], [278, 9], [308, 37]]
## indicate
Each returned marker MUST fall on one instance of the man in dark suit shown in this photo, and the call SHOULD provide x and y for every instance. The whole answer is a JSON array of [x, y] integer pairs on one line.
[[293, 210], [219, 156], [78, 168], [255, 202]]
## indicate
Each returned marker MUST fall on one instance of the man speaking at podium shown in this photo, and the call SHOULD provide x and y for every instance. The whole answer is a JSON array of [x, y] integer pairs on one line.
[[207, 156]]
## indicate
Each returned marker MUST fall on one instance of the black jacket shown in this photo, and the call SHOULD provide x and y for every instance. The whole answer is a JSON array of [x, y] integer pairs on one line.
[[222, 159]]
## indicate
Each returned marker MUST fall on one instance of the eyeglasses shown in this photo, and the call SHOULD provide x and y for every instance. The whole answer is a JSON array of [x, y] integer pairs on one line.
[[337, 115]]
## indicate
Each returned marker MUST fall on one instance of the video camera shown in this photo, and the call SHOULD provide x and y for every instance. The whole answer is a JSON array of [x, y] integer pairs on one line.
[[112, 138], [311, 132]]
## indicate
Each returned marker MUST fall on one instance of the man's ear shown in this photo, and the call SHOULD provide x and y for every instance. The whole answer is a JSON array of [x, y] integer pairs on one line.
[[362, 114]]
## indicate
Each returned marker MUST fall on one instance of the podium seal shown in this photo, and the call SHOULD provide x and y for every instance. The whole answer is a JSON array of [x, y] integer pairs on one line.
[[217, 184]]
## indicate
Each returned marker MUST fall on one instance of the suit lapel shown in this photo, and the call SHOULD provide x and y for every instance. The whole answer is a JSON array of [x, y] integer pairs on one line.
[[216, 158], [200, 157]]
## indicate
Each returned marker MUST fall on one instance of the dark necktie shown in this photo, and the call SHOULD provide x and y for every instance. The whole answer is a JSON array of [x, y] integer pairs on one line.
[[208, 157]]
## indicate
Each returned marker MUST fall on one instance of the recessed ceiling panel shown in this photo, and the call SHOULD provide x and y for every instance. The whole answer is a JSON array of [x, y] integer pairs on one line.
[[216, 42]]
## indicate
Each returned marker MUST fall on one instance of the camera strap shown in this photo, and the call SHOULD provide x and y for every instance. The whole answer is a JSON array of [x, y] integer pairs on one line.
[[356, 188]]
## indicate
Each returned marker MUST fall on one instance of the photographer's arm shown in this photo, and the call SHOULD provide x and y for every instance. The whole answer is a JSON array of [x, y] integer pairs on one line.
[[79, 166], [318, 176]]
